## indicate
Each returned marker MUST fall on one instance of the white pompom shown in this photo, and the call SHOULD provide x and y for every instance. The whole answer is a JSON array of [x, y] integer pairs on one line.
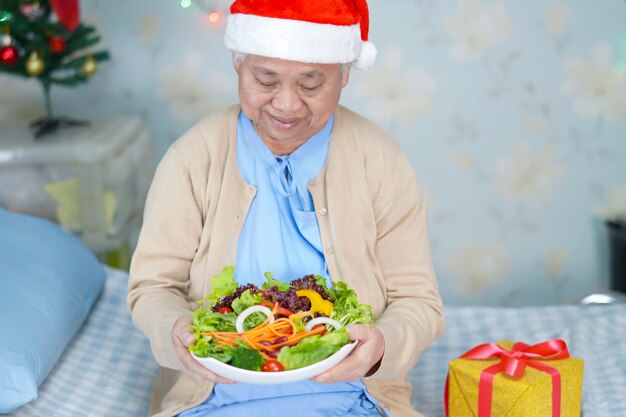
[[367, 57]]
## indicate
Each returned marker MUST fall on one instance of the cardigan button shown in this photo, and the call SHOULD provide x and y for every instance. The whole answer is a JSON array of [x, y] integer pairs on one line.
[[323, 211], [330, 250]]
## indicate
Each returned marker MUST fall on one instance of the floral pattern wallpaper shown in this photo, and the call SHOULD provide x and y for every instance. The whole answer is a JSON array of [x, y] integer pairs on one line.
[[513, 114]]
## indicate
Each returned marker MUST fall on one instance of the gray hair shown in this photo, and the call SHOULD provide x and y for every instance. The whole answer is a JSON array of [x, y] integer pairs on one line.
[[238, 57]]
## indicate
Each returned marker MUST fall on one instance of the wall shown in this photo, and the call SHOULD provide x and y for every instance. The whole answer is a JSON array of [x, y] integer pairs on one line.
[[513, 114]]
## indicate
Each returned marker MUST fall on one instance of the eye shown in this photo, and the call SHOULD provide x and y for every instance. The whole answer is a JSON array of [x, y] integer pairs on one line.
[[310, 88], [265, 84]]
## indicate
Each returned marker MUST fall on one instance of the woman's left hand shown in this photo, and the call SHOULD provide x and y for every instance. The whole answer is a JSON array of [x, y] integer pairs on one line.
[[367, 354]]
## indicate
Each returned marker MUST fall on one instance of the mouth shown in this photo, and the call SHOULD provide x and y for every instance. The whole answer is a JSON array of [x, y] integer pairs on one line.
[[283, 123]]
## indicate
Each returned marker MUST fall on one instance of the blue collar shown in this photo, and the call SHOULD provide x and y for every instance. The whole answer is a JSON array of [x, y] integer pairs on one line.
[[289, 168]]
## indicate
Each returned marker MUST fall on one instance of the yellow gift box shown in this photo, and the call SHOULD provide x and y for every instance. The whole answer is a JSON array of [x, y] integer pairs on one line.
[[527, 394]]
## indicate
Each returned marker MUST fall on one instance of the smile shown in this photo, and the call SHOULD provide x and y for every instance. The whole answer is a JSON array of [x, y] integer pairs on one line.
[[283, 123]]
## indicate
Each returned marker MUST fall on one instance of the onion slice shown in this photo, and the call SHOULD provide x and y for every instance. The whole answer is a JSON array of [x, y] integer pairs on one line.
[[322, 320], [251, 310]]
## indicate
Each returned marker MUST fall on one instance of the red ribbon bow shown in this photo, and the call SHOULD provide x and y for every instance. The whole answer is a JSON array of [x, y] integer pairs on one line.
[[513, 363]]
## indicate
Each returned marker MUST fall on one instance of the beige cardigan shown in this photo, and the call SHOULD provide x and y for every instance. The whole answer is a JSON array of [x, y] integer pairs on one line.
[[372, 221]]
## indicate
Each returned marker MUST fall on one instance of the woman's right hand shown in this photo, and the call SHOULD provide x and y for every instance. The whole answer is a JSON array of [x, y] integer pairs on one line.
[[182, 337]]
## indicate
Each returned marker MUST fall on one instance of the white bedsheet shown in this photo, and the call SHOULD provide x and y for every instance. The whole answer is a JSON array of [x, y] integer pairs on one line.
[[108, 369]]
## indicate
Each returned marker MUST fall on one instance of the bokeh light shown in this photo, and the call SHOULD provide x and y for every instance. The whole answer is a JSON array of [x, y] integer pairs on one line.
[[214, 17]]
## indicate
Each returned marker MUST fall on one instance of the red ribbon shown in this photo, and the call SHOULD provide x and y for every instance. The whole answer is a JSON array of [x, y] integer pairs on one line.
[[513, 363]]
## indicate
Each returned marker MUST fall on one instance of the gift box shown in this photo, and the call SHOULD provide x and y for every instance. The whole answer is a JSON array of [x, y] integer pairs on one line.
[[515, 380]]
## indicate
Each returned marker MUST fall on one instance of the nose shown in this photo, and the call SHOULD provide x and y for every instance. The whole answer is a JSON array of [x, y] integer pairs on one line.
[[287, 99]]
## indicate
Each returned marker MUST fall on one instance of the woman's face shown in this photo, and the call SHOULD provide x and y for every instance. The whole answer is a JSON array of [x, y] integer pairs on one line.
[[288, 102]]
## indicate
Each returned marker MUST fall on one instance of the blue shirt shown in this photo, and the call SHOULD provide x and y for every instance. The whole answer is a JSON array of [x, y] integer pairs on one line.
[[281, 235]]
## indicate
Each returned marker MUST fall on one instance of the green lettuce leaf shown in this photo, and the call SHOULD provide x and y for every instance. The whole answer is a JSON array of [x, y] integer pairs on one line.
[[346, 307], [206, 347], [245, 300], [221, 285], [205, 320], [312, 349], [273, 282]]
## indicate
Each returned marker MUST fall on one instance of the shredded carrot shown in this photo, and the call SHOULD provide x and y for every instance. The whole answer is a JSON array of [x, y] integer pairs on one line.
[[268, 332]]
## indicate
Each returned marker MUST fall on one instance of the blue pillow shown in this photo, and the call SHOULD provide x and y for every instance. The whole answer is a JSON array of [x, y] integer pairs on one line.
[[48, 283]]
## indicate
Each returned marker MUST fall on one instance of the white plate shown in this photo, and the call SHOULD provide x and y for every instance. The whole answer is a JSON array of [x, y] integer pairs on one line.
[[268, 378]]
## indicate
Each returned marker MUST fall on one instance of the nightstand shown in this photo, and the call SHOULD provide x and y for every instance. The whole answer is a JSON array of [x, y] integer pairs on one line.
[[90, 180]]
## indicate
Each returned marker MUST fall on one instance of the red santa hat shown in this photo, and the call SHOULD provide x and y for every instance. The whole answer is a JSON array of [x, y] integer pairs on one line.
[[315, 31]]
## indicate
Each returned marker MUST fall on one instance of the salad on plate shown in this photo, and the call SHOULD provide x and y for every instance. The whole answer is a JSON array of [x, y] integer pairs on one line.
[[280, 326]]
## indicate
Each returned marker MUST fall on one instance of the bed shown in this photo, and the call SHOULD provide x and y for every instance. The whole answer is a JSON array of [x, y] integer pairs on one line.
[[108, 369]]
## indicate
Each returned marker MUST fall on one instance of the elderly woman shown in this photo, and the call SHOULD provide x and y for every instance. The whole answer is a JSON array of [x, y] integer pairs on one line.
[[292, 183]]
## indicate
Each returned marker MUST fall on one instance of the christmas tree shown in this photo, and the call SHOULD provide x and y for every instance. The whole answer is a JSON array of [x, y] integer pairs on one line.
[[45, 39]]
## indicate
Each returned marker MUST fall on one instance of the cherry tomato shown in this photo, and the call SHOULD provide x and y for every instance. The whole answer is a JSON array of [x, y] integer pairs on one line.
[[272, 366], [225, 310], [323, 332]]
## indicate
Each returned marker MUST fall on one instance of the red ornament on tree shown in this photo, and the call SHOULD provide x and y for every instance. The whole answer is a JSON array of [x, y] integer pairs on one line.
[[67, 11], [57, 44], [9, 55]]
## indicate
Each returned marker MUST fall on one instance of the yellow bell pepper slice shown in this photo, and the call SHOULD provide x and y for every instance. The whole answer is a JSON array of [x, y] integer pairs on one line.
[[318, 304]]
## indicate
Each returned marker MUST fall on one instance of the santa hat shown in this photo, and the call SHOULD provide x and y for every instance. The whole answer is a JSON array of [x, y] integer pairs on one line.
[[315, 31]]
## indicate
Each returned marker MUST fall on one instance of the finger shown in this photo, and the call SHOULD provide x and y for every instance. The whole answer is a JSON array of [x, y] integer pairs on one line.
[[186, 338], [337, 374], [182, 337], [359, 332], [183, 333], [368, 335], [349, 369], [360, 360]]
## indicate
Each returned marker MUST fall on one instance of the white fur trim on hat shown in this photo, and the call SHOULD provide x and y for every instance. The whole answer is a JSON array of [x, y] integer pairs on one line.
[[293, 40], [367, 57]]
